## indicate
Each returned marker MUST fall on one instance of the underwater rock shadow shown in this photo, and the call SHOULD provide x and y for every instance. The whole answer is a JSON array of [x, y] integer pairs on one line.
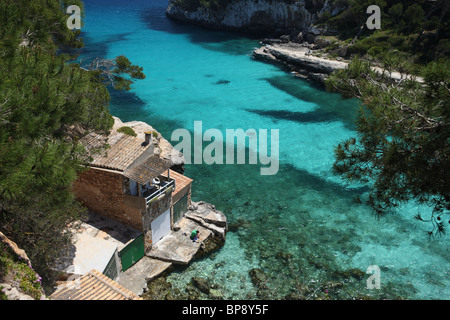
[[300, 117], [98, 49], [138, 109], [331, 106], [222, 82]]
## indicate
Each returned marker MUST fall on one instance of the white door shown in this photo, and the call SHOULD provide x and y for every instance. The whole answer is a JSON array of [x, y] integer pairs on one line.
[[160, 226]]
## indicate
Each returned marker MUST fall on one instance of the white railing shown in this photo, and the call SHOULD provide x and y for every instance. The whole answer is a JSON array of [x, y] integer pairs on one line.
[[160, 191]]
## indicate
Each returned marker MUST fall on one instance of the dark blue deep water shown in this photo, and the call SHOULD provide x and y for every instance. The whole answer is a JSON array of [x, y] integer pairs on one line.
[[301, 227]]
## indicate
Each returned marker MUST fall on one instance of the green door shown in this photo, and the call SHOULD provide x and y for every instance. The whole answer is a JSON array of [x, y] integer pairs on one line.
[[132, 253], [180, 208]]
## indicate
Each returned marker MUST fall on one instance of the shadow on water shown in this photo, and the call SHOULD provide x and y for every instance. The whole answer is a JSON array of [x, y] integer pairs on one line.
[[128, 106], [229, 179], [228, 42], [302, 117], [331, 106], [99, 49]]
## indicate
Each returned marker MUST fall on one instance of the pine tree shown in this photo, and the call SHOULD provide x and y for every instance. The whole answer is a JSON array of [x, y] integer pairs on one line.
[[43, 95], [403, 143]]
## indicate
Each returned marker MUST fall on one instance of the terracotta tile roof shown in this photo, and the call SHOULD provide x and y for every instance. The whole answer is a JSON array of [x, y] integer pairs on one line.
[[123, 150], [145, 172], [181, 181], [94, 286]]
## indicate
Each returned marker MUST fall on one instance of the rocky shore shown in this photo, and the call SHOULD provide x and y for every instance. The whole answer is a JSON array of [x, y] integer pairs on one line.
[[308, 60], [299, 59], [296, 42]]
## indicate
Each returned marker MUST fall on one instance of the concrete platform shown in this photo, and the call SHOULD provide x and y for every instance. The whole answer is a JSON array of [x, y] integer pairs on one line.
[[177, 247], [94, 244], [145, 270]]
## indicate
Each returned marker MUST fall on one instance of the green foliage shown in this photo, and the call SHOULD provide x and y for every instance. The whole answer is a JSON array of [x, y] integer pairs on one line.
[[39, 22], [15, 269], [127, 130], [403, 143], [2, 295], [414, 17], [41, 96], [416, 28], [118, 73], [123, 67]]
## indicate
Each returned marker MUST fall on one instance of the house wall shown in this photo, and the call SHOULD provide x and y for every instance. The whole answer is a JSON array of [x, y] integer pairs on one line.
[[154, 210], [102, 192], [182, 192]]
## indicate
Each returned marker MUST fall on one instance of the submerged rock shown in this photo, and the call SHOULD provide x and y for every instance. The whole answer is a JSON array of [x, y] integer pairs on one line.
[[158, 289], [201, 284], [349, 274], [223, 82], [192, 293], [258, 277], [239, 224], [283, 255], [216, 294]]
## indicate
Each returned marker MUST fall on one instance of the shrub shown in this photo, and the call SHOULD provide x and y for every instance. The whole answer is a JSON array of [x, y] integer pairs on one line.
[[20, 271], [127, 130]]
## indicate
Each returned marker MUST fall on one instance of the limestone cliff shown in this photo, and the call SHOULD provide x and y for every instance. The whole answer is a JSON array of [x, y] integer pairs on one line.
[[255, 16]]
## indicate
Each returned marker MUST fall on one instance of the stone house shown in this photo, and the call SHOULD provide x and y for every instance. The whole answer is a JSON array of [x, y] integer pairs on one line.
[[125, 181]]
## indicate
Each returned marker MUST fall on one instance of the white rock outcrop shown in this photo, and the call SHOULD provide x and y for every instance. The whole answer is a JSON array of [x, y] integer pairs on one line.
[[251, 15]]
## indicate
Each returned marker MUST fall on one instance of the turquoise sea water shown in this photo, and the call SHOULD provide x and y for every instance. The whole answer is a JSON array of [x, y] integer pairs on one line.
[[301, 227]]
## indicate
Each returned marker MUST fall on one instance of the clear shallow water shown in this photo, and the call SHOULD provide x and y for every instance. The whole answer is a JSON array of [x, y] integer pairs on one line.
[[301, 227]]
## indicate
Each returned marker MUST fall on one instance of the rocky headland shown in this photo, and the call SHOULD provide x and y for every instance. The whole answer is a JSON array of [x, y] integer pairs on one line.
[[287, 27], [306, 60], [266, 17], [299, 59], [292, 35]]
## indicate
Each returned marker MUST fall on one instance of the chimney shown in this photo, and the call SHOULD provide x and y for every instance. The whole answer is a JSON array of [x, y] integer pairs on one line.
[[148, 137]]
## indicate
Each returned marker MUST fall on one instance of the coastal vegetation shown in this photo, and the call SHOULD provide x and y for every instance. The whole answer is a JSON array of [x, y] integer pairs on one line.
[[14, 269], [402, 146], [403, 142], [415, 31], [127, 130], [46, 102]]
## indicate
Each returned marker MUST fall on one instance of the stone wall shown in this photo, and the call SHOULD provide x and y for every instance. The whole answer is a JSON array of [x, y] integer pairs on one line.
[[102, 192], [154, 210]]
